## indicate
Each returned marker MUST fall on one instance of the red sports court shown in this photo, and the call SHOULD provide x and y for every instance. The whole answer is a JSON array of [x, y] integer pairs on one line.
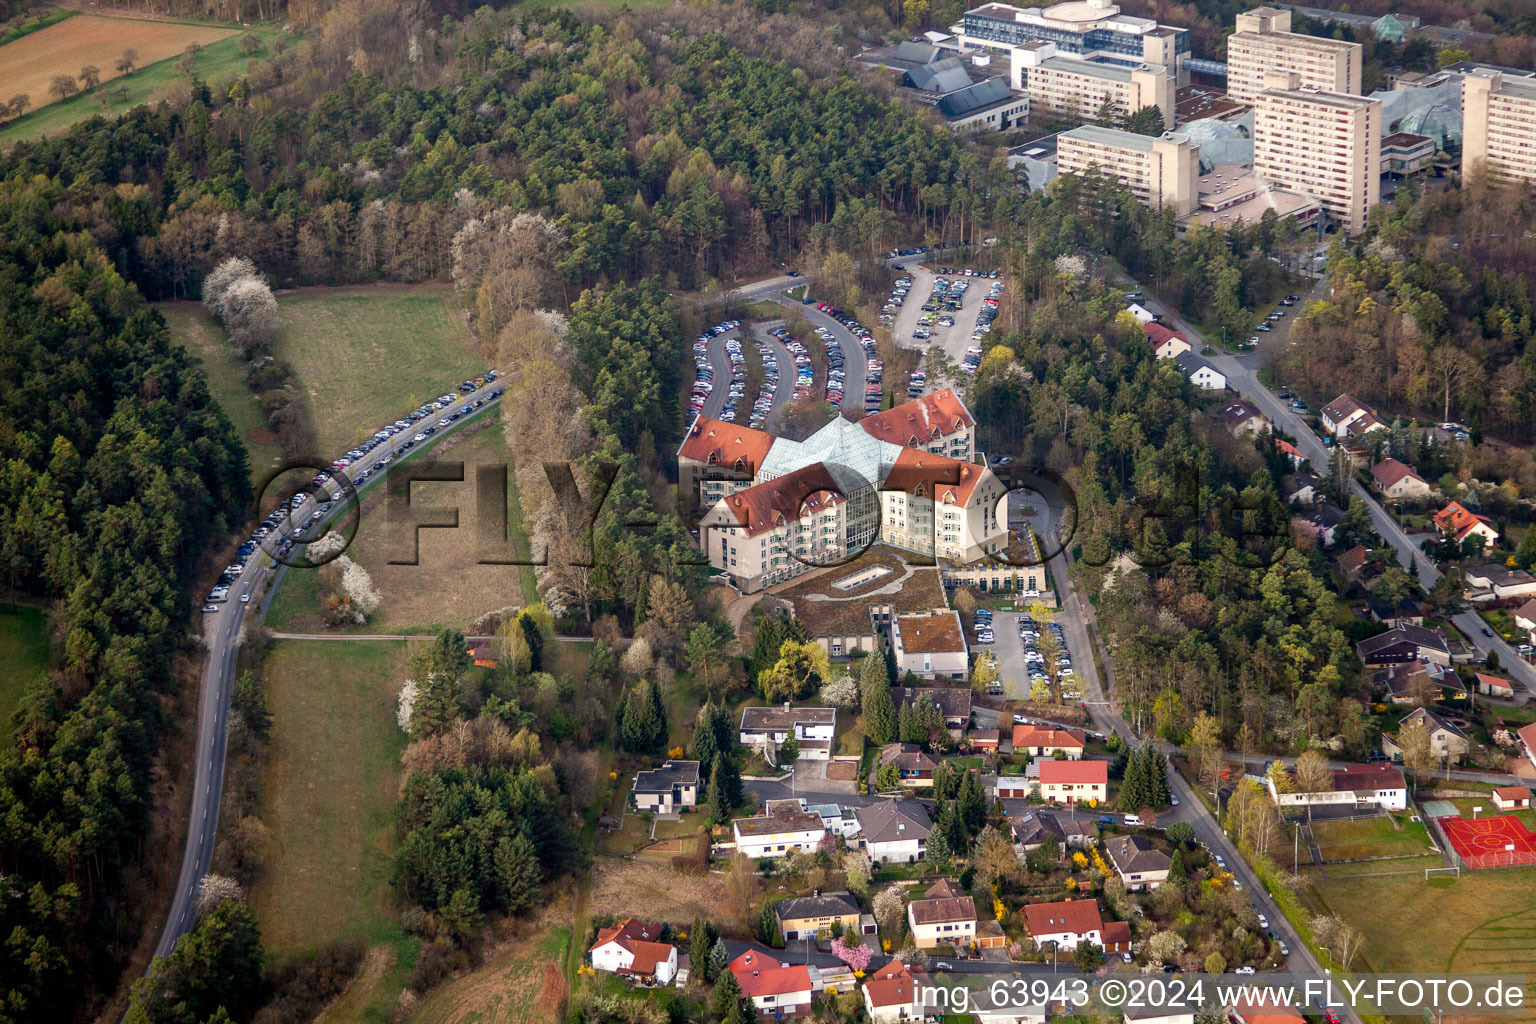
[[1490, 842]]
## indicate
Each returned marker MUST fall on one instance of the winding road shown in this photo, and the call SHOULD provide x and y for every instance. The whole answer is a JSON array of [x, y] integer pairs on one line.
[[221, 635]]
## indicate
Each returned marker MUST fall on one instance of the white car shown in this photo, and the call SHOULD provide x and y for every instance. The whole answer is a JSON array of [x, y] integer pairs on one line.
[[1263, 921], [1244, 970]]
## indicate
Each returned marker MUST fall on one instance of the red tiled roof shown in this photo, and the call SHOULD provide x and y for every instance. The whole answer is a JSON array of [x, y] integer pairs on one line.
[[1261, 1007], [1512, 792], [1035, 736], [1457, 520], [648, 955], [1157, 334], [1286, 448], [1354, 558], [1361, 778], [637, 937], [1495, 681], [899, 990], [1117, 934], [771, 981], [1389, 471], [933, 476], [943, 910], [1079, 772], [1528, 736], [915, 422], [783, 499], [716, 442], [1076, 916]]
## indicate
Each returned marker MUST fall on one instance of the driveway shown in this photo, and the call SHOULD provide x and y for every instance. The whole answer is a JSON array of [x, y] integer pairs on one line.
[[855, 362]]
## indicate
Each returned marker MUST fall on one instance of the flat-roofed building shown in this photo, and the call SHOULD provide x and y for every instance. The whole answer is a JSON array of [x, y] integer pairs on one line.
[[1264, 43], [1326, 144], [1070, 89], [1162, 171], [1406, 153], [1088, 28], [1230, 195], [1498, 133]]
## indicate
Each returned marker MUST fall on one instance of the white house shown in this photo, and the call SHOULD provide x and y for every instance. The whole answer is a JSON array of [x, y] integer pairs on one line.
[[1397, 480], [1074, 782], [776, 990], [892, 995], [1139, 864], [1064, 925], [1142, 314], [1200, 373], [812, 728], [1048, 741], [930, 645], [1358, 785], [894, 832], [1339, 414], [1500, 581], [785, 827], [672, 787], [946, 916], [1525, 618], [629, 948]]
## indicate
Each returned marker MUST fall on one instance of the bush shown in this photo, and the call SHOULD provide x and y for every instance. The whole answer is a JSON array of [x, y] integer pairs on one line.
[[436, 963], [302, 986]]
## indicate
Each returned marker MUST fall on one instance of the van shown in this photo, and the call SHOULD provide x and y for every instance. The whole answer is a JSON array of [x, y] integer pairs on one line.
[[1133, 819]]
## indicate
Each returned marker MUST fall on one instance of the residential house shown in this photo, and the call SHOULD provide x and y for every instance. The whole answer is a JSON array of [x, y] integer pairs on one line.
[[1396, 480], [930, 645], [1456, 522], [1081, 833], [1343, 411], [1291, 452], [984, 739], [1446, 740], [945, 919], [811, 917], [1404, 644], [1073, 782], [779, 831], [812, 728], [775, 990], [894, 831], [672, 787], [1241, 418], [953, 702], [1033, 829], [631, 949], [1166, 344], [1525, 618], [1200, 373], [915, 765], [1065, 925], [1322, 521], [1498, 582], [1358, 786], [1253, 1006], [483, 653], [1304, 489], [1415, 682], [1352, 561], [1043, 741], [1406, 610], [893, 994], [838, 821], [1139, 864], [1494, 686], [1527, 737], [1512, 798]]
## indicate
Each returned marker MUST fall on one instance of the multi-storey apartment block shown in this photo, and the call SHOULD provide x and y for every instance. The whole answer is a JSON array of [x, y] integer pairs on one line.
[[1069, 89], [1162, 171], [779, 508], [1498, 114], [1325, 144], [1086, 28], [1264, 43]]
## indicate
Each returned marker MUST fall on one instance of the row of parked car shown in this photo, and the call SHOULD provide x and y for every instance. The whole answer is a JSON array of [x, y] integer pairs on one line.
[[897, 299], [704, 374], [873, 368], [301, 519], [835, 378], [763, 405], [988, 312]]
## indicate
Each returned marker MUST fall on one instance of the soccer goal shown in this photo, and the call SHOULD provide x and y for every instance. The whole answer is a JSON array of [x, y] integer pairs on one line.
[[1454, 869]]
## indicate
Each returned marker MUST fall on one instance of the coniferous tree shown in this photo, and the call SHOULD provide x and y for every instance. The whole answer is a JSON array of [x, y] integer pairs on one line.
[[719, 799], [971, 803], [249, 699], [518, 874], [718, 957]]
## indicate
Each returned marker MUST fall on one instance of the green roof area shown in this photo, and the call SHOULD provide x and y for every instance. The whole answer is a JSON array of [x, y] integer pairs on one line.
[[827, 611]]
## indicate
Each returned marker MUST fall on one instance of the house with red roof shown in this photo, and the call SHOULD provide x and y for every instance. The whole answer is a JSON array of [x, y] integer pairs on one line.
[[1528, 742], [776, 990], [1260, 1006], [1494, 686], [1512, 798], [946, 916], [1397, 480], [1166, 343], [1074, 782], [1291, 452], [1042, 741], [1065, 925], [1357, 785], [892, 995], [1456, 522], [631, 949]]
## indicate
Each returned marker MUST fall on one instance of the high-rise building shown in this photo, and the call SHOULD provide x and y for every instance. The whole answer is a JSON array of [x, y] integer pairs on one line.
[[1264, 44], [1066, 88], [1498, 115], [1082, 28], [1325, 144], [1163, 171]]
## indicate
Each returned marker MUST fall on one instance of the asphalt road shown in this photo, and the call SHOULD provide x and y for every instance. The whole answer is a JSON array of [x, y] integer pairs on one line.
[[720, 362], [953, 340], [1242, 377], [786, 366], [855, 362], [221, 632]]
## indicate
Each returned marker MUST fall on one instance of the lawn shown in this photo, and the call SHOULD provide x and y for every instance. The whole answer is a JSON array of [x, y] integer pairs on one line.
[[329, 794], [366, 356], [192, 327], [1370, 837], [24, 653], [155, 78], [447, 588]]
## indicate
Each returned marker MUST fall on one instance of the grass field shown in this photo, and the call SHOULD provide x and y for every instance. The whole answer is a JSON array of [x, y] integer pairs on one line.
[[329, 794], [28, 65], [33, 22], [191, 325], [366, 356], [523, 983], [446, 588], [1485, 921], [24, 653], [1369, 837]]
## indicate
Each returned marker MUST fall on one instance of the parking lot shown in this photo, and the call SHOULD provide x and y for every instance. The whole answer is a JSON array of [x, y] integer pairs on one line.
[[855, 355], [1014, 657], [953, 340]]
